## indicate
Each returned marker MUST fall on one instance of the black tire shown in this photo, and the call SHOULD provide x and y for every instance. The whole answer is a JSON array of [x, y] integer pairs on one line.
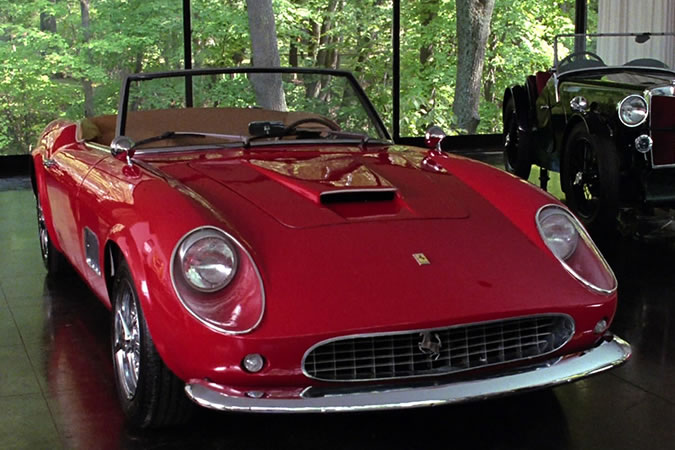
[[517, 158], [150, 394], [590, 179], [54, 261]]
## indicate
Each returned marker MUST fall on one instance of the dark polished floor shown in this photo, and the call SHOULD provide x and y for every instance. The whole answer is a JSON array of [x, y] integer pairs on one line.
[[56, 386]]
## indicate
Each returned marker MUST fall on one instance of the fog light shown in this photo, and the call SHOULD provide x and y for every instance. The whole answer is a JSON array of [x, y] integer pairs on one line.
[[643, 143], [253, 363], [600, 327], [255, 394]]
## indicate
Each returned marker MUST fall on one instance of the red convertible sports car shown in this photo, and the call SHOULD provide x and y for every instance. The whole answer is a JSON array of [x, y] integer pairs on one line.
[[263, 246]]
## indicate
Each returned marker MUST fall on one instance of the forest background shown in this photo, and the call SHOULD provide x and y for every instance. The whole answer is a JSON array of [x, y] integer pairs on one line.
[[66, 58]]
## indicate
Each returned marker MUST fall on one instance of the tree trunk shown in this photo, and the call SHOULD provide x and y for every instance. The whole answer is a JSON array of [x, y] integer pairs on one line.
[[428, 13], [48, 21], [473, 29], [325, 56], [265, 53], [86, 83]]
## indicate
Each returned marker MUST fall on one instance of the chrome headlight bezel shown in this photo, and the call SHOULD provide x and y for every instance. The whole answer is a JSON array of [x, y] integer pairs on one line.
[[224, 309], [584, 260], [629, 106]]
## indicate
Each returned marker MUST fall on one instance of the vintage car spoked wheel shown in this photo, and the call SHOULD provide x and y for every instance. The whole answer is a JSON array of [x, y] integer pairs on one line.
[[516, 158], [150, 394], [590, 178], [53, 260]]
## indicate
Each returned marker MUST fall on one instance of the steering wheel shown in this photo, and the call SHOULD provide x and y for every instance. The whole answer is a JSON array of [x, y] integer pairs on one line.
[[573, 57], [330, 124]]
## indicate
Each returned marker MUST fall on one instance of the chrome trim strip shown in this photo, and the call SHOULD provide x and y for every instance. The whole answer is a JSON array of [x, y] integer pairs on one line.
[[97, 146], [607, 355], [432, 330], [586, 237], [255, 268]]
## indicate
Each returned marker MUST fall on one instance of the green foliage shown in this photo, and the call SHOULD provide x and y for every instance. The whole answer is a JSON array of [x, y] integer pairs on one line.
[[520, 43], [44, 67]]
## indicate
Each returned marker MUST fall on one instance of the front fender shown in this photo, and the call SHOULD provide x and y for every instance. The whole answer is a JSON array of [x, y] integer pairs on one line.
[[595, 124], [144, 229]]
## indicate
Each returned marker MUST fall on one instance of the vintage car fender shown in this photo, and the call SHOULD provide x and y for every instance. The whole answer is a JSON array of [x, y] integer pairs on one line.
[[595, 124], [521, 98]]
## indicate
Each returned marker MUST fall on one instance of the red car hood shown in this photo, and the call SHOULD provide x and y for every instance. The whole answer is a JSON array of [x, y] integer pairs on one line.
[[344, 265], [302, 189]]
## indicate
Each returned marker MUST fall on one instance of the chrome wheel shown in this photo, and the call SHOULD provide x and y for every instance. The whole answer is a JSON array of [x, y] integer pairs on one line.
[[42, 233], [126, 340]]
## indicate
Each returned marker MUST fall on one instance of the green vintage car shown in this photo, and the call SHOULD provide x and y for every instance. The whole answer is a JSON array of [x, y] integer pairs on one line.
[[604, 117]]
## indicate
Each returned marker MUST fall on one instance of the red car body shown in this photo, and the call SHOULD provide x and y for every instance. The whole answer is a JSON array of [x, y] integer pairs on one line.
[[445, 241]]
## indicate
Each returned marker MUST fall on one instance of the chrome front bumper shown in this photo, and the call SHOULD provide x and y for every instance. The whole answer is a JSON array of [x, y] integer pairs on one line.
[[607, 355]]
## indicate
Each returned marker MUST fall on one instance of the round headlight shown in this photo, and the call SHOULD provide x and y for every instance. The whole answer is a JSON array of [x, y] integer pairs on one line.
[[558, 232], [633, 110], [570, 243], [208, 260]]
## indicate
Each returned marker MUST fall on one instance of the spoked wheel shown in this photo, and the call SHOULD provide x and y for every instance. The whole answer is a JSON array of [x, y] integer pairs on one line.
[[150, 394], [516, 156], [590, 178], [53, 260]]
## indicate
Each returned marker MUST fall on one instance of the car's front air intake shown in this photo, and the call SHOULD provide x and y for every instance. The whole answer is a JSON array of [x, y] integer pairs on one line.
[[437, 351]]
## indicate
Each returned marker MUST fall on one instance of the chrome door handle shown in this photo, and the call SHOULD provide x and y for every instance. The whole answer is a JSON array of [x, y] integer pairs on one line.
[[48, 163]]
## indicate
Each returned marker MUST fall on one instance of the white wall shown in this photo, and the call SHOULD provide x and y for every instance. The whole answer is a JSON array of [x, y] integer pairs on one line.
[[636, 16]]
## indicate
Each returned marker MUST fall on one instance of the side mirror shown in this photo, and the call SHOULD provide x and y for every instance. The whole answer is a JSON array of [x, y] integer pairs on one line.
[[433, 137], [122, 148]]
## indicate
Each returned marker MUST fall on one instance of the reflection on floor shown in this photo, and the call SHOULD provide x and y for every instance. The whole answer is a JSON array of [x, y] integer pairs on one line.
[[56, 386]]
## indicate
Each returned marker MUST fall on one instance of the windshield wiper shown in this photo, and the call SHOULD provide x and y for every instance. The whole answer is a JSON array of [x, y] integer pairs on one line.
[[183, 134]]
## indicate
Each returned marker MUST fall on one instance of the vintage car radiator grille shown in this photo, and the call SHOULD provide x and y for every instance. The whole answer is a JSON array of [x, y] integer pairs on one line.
[[437, 351], [662, 125]]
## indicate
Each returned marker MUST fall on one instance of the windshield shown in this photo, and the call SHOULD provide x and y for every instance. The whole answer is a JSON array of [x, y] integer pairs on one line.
[[590, 51], [257, 106]]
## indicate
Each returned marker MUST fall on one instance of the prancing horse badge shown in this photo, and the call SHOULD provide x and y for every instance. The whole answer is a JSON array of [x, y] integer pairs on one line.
[[421, 259]]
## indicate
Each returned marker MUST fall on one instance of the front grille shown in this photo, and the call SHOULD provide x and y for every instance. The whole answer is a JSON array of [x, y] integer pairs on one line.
[[438, 351], [662, 123]]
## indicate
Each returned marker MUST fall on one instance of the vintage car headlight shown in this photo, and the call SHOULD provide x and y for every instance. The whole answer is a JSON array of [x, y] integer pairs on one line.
[[567, 239], [208, 260], [633, 110], [217, 281]]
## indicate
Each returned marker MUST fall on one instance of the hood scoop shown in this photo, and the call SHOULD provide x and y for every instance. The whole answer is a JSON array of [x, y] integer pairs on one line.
[[329, 179], [357, 195]]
